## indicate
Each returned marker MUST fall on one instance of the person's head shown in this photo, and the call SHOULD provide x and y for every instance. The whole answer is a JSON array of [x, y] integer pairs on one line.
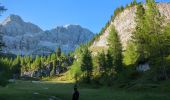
[[75, 88]]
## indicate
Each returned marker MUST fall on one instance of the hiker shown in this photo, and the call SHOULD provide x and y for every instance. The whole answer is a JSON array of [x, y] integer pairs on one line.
[[75, 94]]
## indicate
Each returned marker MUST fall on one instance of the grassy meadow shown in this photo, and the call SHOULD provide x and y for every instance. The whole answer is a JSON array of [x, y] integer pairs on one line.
[[27, 90]]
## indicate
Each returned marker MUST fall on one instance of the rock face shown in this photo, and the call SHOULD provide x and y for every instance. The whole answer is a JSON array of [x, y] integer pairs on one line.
[[25, 38], [125, 25]]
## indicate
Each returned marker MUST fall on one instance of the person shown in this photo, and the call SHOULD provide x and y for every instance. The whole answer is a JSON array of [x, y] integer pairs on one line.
[[75, 94]]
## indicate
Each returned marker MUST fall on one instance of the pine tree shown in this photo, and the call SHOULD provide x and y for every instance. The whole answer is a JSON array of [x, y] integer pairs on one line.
[[109, 62], [140, 36], [130, 55], [101, 60], [38, 62], [134, 2], [52, 73], [149, 38], [16, 67], [154, 25], [148, 30], [58, 52], [48, 58], [166, 38], [115, 48], [86, 65], [53, 56]]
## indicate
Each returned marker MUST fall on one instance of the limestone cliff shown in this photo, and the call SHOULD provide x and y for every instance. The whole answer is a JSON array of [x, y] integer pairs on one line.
[[125, 24]]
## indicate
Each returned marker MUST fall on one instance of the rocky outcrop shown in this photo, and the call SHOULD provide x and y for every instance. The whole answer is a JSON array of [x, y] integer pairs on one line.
[[13, 25], [25, 38], [125, 25]]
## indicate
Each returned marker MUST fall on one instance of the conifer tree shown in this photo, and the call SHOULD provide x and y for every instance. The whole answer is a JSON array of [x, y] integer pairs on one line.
[[86, 65], [58, 52], [140, 36], [109, 62], [149, 37], [52, 73], [38, 62], [115, 49], [101, 60]]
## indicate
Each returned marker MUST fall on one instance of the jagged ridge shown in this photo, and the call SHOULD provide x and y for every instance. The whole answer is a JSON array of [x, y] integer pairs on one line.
[[25, 38]]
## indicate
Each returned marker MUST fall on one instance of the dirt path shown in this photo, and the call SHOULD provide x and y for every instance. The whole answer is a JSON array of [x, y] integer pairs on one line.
[[48, 96]]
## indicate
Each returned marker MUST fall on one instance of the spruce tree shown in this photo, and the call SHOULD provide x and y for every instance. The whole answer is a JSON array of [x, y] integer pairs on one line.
[[52, 73], [115, 49], [86, 65], [101, 61], [149, 37], [130, 55], [154, 25], [140, 36], [16, 67], [109, 62], [38, 62], [58, 52]]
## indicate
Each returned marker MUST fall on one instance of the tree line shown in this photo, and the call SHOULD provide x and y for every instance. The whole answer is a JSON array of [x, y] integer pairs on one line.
[[150, 44]]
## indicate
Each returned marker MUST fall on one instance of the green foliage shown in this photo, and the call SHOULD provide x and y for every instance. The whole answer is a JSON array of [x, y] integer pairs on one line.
[[4, 71], [150, 42], [16, 66], [19, 65], [115, 48], [86, 65], [101, 61], [140, 37], [116, 12], [24, 90], [52, 73], [75, 71], [148, 36], [58, 52], [130, 55], [38, 62]]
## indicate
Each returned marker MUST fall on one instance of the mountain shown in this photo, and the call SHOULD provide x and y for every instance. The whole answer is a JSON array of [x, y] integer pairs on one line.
[[125, 24], [25, 38]]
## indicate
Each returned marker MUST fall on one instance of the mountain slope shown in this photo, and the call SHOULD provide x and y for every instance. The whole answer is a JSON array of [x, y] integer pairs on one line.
[[125, 24], [25, 38]]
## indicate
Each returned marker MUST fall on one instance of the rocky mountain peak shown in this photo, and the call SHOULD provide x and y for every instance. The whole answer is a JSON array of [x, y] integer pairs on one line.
[[13, 25], [11, 18], [71, 26], [25, 38], [68, 27]]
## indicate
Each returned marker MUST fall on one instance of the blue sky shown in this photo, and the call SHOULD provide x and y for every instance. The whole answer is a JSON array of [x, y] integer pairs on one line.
[[91, 14]]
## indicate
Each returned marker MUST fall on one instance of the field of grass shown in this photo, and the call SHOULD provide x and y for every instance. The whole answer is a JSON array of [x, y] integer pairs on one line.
[[27, 90]]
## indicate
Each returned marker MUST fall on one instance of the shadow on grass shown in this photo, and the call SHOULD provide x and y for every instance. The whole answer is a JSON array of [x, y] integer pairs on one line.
[[36, 90], [28, 90]]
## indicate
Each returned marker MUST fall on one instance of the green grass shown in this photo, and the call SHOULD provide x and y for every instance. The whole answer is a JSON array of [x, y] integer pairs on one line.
[[24, 90]]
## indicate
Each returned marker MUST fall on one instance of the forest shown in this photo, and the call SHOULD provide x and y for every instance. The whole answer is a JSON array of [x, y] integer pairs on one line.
[[143, 65]]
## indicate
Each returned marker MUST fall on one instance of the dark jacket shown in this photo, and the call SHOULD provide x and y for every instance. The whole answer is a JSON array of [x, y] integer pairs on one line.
[[75, 95]]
